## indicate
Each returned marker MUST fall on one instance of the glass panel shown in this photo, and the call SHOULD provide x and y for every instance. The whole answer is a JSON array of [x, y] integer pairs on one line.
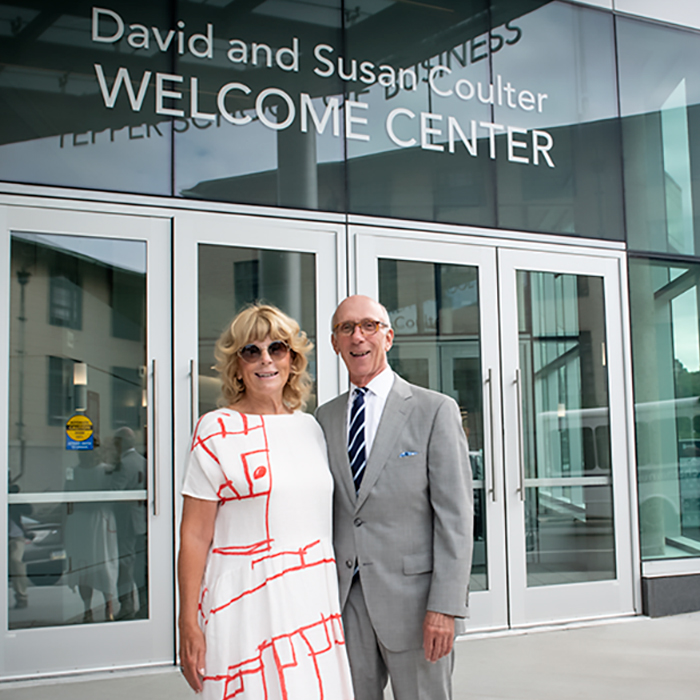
[[229, 279], [569, 525], [660, 106], [75, 111], [392, 170], [261, 141], [665, 347], [559, 169], [434, 311], [77, 430]]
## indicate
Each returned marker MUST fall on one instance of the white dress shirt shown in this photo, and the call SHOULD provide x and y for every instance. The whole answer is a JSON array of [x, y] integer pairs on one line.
[[375, 400]]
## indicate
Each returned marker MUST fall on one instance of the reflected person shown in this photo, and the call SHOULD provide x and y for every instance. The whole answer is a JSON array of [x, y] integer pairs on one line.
[[91, 533], [16, 540], [129, 474]]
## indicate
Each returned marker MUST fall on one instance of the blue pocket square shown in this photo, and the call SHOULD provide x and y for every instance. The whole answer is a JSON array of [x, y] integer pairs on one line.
[[408, 454]]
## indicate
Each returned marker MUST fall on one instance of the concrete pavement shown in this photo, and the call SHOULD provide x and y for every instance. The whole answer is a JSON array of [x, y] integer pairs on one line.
[[629, 659]]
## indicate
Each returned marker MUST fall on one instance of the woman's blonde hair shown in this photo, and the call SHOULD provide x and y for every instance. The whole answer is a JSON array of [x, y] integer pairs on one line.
[[255, 323]]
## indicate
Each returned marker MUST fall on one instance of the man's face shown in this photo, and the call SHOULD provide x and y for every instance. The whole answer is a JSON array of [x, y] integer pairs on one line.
[[363, 354]]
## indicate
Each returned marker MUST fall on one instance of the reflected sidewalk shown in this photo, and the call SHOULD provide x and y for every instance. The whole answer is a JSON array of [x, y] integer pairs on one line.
[[630, 659]]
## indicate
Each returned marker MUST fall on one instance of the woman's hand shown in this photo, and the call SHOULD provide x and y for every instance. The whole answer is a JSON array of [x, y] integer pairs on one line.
[[196, 533], [192, 652]]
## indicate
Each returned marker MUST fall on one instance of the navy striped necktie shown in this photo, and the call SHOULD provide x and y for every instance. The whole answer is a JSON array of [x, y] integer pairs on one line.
[[356, 437]]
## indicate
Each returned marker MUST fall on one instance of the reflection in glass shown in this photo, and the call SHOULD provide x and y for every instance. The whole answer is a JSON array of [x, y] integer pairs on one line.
[[659, 98], [231, 278], [576, 186], [57, 128], [434, 311], [77, 474], [569, 525], [267, 152], [665, 346], [407, 176]]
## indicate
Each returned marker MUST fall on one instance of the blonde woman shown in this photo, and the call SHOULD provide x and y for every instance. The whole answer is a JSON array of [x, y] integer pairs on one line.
[[259, 612]]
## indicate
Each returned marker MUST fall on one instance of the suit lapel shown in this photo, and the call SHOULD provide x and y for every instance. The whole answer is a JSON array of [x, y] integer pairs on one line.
[[398, 406], [338, 444]]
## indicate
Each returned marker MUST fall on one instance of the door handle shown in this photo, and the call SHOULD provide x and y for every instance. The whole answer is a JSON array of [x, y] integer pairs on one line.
[[521, 442], [193, 397], [491, 489], [155, 490]]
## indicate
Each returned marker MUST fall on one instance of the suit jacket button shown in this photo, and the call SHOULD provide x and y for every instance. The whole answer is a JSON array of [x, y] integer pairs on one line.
[[358, 522], [349, 563]]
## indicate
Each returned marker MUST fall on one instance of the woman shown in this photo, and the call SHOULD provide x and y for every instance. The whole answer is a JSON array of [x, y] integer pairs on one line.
[[259, 613]]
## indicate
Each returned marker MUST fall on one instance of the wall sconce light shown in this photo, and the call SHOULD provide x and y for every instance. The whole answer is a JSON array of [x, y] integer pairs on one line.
[[80, 381]]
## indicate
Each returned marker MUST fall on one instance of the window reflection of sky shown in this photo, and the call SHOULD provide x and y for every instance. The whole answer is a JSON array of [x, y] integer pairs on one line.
[[222, 150], [127, 255], [461, 295], [135, 161], [568, 53], [653, 60]]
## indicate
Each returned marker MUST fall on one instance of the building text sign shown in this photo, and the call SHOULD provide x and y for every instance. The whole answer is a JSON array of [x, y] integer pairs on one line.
[[434, 130]]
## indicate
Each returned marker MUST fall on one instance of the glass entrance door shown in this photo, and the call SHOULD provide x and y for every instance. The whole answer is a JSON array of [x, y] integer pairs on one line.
[[564, 396], [443, 304], [86, 439], [530, 346], [224, 263]]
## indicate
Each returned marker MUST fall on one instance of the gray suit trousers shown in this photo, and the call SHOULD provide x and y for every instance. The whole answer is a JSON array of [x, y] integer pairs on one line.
[[412, 677]]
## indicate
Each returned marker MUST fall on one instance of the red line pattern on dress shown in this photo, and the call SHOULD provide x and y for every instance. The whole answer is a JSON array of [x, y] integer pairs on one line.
[[278, 657], [251, 478], [285, 664], [299, 562], [278, 575]]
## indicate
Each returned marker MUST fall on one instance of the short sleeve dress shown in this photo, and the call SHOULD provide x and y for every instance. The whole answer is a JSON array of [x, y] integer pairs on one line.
[[269, 599]]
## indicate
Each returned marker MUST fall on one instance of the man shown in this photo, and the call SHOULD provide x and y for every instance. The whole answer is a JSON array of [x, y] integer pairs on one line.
[[403, 510], [129, 474]]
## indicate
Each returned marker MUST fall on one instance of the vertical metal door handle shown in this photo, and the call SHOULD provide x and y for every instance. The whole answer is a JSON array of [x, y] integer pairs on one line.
[[193, 397], [521, 442], [155, 491], [491, 490]]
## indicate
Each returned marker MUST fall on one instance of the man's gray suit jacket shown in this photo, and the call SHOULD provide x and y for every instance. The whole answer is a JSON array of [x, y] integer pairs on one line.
[[410, 526]]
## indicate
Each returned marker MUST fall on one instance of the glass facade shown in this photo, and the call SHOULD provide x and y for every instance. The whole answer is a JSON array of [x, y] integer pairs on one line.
[[534, 116], [434, 311], [62, 121], [565, 429], [77, 419], [665, 335], [230, 278], [456, 115], [660, 109]]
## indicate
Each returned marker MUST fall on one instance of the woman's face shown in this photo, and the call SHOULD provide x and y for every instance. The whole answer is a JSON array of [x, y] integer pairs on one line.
[[263, 375]]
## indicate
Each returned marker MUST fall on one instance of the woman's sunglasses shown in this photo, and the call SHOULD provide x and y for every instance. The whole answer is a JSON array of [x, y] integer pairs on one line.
[[277, 350]]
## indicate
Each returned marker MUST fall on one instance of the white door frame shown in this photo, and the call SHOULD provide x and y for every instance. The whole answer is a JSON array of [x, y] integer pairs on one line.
[[487, 608], [498, 607], [537, 605], [52, 650], [325, 240]]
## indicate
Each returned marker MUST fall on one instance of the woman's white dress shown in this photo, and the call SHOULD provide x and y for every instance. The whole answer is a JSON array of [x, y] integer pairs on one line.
[[91, 535], [269, 600]]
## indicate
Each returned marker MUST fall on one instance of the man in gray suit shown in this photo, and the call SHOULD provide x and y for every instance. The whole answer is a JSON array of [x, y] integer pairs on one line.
[[403, 509]]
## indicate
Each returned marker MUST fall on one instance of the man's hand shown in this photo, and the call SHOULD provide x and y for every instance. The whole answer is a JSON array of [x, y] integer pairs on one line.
[[438, 635]]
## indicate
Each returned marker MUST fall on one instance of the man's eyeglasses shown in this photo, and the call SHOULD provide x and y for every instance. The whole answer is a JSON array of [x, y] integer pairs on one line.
[[277, 350], [367, 327]]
